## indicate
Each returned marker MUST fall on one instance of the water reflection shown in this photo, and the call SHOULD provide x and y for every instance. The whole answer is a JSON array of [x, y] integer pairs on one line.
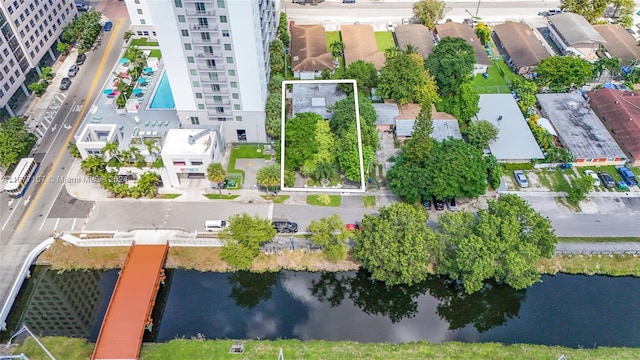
[[250, 289]]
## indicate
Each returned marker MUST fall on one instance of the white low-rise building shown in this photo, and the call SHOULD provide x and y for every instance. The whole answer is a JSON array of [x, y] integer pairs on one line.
[[94, 137]]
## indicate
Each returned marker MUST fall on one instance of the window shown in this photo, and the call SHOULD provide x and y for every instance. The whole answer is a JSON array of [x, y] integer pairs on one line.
[[223, 19], [238, 118], [198, 95], [208, 50], [185, 32], [206, 37], [187, 46], [219, 109], [177, 3], [194, 120], [217, 99], [196, 84], [227, 47], [11, 62], [203, 22], [215, 87], [211, 63], [235, 96], [225, 33], [213, 76], [6, 86], [221, 4], [232, 72], [139, 11], [181, 18], [222, 119], [143, 22], [17, 22], [200, 106], [193, 72], [236, 106], [229, 60], [233, 84], [179, 163], [190, 60], [12, 80], [137, 2], [200, 8], [242, 135], [195, 162]]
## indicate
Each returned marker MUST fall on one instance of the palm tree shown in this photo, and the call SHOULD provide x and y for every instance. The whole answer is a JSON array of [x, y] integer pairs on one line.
[[152, 146], [216, 174], [410, 49], [336, 48], [392, 52], [126, 156], [110, 150], [269, 176], [324, 172]]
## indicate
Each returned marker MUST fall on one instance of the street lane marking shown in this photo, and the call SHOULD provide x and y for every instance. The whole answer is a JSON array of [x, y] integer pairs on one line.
[[77, 123], [73, 226], [56, 137], [10, 214], [270, 214]]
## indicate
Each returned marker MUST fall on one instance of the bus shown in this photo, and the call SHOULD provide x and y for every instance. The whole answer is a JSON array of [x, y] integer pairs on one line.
[[21, 177]]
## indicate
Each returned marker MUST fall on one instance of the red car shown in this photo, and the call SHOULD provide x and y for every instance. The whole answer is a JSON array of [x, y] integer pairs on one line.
[[353, 227]]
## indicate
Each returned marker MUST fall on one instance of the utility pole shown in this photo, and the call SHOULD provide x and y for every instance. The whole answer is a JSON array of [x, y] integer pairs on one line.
[[477, 9]]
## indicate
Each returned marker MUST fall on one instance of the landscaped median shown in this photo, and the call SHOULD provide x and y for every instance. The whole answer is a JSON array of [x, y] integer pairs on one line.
[[80, 349]]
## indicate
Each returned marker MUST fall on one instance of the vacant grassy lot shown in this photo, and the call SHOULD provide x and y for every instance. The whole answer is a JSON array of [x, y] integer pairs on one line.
[[494, 84], [80, 349], [385, 40], [334, 200], [369, 201], [65, 256], [614, 265], [144, 42], [332, 36], [245, 152]]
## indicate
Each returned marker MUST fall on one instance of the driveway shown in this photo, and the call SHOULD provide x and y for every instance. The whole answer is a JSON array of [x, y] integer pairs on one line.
[[387, 150], [250, 168]]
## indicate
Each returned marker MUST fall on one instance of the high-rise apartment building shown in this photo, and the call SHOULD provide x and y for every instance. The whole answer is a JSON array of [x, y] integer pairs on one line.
[[29, 29], [216, 56]]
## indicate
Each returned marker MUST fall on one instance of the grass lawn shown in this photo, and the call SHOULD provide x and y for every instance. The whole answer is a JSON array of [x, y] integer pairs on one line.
[[614, 265], [609, 169], [333, 200], [220, 197], [554, 180], [168, 196], [384, 39], [143, 42], [276, 199], [155, 54], [244, 152], [599, 239], [332, 36], [369, 201]]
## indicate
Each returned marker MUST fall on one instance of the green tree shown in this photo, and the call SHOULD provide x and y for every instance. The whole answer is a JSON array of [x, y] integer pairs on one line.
[[456, 169], [63, 47], [590, 9], [481, 133], [300, 141], [276, 56], [526, 92], [269, 176], [407, 181], [93, 166], [326, 145], [348, 155], [216, 174], [580, 187], [73, 150], [483, 32], [561, 72], [416, 149], [451, 63], [324, 171], [147, 185], [38, 87], [328, 233], [273, 110], [494, 171], [15, 141], [463, 105], [503, 243], [396, 245], [624, 7], [46, 73], [275, 83], [403, 79], [626, 21], [336, 48], [283, 29], [243, 238], [611, 65], [365, 75], [151, 145], [429, 12], [344, 112]]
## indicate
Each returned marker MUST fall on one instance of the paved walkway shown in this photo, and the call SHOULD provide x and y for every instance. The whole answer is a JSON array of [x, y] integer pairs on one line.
[[598, 248]]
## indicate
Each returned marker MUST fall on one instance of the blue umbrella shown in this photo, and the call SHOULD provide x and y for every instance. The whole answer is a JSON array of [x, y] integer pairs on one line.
[[124, 61], [142, 80], [108, 91], [147, 70], [136, 91]]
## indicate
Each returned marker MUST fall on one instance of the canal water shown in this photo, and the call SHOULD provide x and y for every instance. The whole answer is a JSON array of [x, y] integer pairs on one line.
[[568, 310]]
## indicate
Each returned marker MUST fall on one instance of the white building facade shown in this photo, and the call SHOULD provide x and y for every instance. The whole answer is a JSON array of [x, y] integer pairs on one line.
[[29, 29], [220, 75]]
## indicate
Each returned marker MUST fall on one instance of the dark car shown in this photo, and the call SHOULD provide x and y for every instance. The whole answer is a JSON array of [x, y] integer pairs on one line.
[[285, 227], [108, 25], [627, 176], [80, 59], [438, 204], [65, 83], [73, 70], [606, 180], [426, 204]]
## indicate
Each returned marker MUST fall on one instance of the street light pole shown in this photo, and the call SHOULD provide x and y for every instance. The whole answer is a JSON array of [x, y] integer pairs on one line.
[[477, 9]]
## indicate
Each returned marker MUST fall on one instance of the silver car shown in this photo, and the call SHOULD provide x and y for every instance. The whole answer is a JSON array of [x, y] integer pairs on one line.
[[521, 179], [73, 70]]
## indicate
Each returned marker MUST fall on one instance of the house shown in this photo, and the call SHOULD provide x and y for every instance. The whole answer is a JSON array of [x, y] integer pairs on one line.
[[522, 49], [515, 142], [309, 55], [465, 32], [574, 35], [619, 43], [387, 114], [316, 98], [620, 113], [579, 130], [416, 35], [445, 126], [360, 44]]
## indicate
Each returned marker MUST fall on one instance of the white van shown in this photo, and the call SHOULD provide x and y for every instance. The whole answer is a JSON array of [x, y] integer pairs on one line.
[[215, 225]]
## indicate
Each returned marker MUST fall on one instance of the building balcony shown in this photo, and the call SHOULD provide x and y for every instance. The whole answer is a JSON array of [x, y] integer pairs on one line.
[[208, 80], [208, 27], [211, 68], [200, 12], [208, 55], [223, 103], [212, 42]]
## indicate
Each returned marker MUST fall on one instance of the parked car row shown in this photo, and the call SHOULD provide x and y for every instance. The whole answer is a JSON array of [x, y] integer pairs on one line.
[[65, 84], [439, 204], [599, 178]]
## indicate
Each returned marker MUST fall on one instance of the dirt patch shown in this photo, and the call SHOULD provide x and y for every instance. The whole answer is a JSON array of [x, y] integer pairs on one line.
[[64, 256]]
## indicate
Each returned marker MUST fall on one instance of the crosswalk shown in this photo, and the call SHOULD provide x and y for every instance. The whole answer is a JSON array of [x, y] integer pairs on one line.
[[50, 114], [63, 224]]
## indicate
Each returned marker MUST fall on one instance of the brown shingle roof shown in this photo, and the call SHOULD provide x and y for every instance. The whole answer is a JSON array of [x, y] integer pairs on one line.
[[619, 42], [465, 32], [309, 49], [360, 44], [521, 44], [417, 35], [620, 111]]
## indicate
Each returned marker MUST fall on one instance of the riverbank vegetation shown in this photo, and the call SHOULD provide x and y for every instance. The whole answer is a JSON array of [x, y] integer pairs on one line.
[[80, 349]]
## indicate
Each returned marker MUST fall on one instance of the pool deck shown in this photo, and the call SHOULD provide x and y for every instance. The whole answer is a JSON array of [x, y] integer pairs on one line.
[[103, 111]]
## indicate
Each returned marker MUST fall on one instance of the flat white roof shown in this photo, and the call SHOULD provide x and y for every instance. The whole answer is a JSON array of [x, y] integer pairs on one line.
[[515, 140], [177, 142]]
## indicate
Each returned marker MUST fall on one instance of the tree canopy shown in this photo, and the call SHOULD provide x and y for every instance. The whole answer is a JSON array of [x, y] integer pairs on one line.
[[348, 154], [328, 232], [590, 9], [451, 63], [483, 32], [396, 245], [417, 148], [429, 12], [300, 141], [503, 243], [216, 174], [15, 142], [481, 133], [364, 73], [344, 112], [463, 104], [404, 80], [269, 176], [562, 72], [244, 236]]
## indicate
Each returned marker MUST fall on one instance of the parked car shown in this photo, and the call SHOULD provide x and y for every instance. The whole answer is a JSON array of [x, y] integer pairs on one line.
[[606, 180], [426, 204], [215, 225], [108, 25], [80, 59], [627, 176], [451, 204], [65, 83], [553, 12], [521, 179], [73, 70], [353, 227], [438, 204], [594, 176], [82, 7], [286, 227]]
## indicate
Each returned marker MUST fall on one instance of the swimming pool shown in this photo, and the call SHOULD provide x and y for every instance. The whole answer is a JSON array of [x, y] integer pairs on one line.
[[163, 97]]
